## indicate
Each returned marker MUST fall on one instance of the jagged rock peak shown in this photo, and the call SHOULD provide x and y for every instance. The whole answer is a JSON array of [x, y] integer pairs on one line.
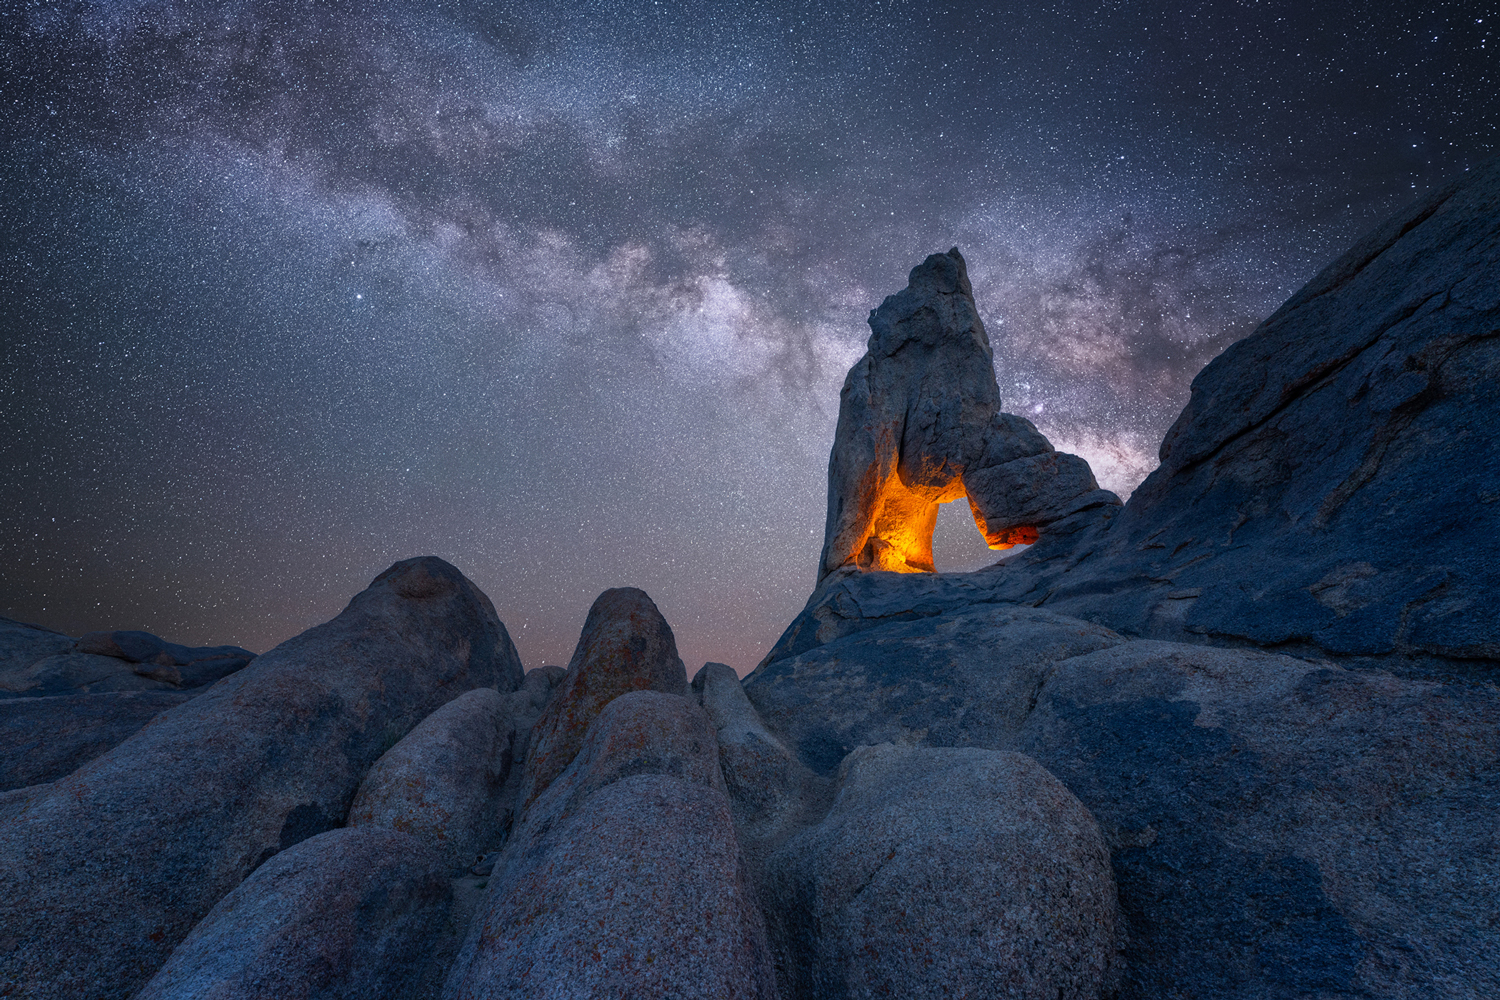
[[920, 424]]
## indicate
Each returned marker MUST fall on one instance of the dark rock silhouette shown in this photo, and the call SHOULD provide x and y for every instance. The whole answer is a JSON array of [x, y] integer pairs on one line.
[[920, 424], [344, 915], [104, 871], [38, 662], [160, 660]]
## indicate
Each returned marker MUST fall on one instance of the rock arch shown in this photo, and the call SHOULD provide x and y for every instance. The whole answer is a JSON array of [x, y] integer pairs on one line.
[[920, 424]]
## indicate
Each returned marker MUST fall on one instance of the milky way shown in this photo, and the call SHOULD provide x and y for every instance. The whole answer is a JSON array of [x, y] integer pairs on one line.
[[293, 290]]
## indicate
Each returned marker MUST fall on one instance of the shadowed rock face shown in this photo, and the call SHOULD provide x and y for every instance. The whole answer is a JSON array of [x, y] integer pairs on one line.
[[103, 872], [626, 645], [946, 873], [920, 424], [346, 915], [442, 782]]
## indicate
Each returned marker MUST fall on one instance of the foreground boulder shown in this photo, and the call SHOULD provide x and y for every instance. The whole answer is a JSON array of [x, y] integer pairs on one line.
[[946, 873], [442, 782], [105, 871], [1285, 827], [345, 915], [625, 878], [920, 425], [626, 645], [1278, 828]]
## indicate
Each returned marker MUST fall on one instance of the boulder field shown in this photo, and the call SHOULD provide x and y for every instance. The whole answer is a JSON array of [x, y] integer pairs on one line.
[[1236, 738]]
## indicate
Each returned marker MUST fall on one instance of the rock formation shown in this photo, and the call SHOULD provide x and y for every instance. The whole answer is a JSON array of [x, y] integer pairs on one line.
[[625, 877], [1317, 824], [1277, 827], [442, 783], [920, 424], [945, 873], [764, 779], [153, 657], [105, 871], [626, 645], [1330, 488], [344, 915]]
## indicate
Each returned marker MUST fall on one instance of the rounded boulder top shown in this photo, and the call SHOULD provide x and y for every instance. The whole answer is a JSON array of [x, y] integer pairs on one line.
[[422, 577], [626, 645]]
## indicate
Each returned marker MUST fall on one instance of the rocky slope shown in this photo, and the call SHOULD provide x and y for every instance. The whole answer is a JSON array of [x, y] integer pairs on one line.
[[1315, 824], [1332, 488]]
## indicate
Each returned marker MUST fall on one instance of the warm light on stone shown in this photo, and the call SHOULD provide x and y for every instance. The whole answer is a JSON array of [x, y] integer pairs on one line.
[[920, 425]]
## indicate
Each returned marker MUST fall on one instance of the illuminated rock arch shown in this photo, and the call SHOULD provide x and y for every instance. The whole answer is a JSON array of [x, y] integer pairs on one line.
[[920, 425]]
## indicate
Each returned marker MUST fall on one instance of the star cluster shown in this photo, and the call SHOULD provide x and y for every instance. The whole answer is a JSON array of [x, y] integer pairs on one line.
[[565, 295]]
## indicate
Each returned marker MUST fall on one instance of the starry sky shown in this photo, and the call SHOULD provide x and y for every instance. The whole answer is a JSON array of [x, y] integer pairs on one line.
[[565, 294]]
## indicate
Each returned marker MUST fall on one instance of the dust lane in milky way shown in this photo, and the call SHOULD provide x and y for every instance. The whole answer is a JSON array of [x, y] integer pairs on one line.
[[291, 291]]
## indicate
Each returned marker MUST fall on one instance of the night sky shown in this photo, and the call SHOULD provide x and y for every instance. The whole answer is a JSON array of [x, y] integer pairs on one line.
[[292, 290]]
